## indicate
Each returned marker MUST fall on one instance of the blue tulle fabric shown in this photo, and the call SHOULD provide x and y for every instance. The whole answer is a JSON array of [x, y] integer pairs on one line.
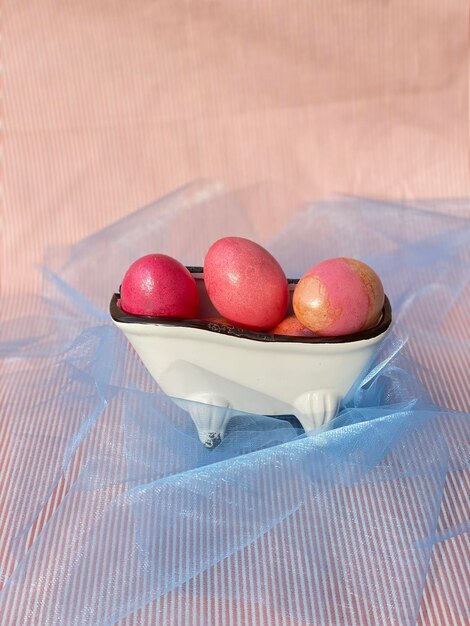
[[116, 511]]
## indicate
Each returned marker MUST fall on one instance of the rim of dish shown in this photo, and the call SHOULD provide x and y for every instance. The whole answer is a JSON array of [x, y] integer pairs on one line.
[[119, 315]]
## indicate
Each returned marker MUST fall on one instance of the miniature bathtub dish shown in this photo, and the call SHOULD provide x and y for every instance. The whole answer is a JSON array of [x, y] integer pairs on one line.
[[241, 370]]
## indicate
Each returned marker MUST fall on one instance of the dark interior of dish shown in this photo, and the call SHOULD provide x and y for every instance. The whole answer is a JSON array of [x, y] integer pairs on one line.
[[206, 310]]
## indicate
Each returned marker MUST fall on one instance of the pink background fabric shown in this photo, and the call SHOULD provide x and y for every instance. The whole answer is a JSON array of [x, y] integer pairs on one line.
[[108, 105]]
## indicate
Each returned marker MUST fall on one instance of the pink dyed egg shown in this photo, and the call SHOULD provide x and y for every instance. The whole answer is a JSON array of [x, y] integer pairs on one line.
[[339, 297], [290, 325], [159, 285], [245, 283]]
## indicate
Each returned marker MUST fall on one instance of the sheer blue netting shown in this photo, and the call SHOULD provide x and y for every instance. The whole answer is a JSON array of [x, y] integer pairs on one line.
[[114, 507]]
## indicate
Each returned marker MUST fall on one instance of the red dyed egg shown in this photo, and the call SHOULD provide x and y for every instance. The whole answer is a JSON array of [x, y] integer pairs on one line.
[[290, 325], [159, 285], [339, 297], [245, 283]]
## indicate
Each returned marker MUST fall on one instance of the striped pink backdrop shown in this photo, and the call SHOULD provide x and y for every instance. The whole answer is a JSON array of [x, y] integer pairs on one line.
[[109, 105]]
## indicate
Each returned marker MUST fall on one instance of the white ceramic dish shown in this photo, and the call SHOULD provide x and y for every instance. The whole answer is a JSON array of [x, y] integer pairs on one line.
[[240, 370]]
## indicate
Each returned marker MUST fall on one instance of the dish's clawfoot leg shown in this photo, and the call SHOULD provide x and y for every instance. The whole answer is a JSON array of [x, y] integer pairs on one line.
[[315, 408], [210, 414]]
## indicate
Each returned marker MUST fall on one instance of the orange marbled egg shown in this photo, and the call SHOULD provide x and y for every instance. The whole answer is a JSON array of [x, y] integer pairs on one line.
[[290, 325], [339, 297]]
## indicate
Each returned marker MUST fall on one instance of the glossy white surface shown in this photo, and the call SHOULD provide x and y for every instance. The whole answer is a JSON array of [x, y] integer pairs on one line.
[[271, 378]]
